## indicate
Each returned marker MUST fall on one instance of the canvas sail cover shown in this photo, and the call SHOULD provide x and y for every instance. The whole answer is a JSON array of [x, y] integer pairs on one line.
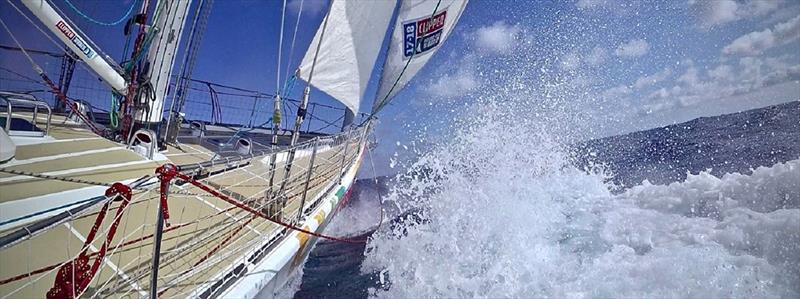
[[416, 36], [350, 46]]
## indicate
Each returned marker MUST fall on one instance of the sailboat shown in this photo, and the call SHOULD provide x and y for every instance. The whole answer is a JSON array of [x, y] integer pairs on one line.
[[159, 205]]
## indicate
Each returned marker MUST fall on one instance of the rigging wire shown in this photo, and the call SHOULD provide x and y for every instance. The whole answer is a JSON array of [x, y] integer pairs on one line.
[[80, 32], [196, 34], [384, 102], [114, 23], [58, 45], [280, 50], [294, 37], [50, 83]]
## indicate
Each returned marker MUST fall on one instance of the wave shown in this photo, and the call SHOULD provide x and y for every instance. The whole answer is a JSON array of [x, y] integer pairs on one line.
[[499, 211]]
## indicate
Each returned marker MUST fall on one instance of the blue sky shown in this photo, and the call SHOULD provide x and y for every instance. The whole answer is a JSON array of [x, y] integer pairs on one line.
[[592, 68]]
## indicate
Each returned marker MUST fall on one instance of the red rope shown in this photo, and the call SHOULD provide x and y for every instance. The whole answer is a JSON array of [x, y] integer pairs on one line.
[[127, 119], [123, 245], [74, 276], [67, 102], [165, 173], [247, 208]]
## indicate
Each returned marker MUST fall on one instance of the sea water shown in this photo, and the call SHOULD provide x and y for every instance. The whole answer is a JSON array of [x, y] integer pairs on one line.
[[502, 210]]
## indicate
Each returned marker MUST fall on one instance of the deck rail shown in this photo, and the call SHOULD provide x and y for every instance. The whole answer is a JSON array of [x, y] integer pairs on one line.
[[11, 98], [209, 244]]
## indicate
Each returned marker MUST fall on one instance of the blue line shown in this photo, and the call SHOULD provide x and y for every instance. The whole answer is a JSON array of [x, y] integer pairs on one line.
[[122, 19]]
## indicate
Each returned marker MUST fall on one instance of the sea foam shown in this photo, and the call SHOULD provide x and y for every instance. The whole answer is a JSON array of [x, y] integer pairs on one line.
[[499, 211]]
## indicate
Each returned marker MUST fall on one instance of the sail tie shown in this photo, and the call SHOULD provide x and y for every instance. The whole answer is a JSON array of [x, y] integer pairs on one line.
[[74, 276]]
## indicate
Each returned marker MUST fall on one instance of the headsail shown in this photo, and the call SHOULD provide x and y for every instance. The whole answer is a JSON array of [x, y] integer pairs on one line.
[[416, 37], [349, 48]]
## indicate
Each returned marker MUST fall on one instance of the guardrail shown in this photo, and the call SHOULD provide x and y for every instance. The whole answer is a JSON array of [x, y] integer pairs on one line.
[[24, 99]]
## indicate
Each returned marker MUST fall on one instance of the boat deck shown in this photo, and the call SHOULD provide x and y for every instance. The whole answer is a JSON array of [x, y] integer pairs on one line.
[[206, 235]]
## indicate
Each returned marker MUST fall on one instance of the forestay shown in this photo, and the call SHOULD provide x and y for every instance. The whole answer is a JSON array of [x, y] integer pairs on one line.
[[421, 28], [350, 46]]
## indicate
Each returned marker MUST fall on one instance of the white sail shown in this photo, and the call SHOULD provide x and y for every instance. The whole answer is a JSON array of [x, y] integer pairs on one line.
[[350, 46], [416, 37]]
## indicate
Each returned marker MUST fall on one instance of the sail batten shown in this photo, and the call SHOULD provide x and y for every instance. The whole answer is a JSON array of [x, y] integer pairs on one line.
[[348, 49], [421, 28]]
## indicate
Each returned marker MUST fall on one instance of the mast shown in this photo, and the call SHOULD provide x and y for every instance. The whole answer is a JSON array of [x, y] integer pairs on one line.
[[169, 26], [82, 46]]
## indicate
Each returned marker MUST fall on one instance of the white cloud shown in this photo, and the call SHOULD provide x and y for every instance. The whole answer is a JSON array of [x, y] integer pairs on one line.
[[754, 43], [498, 38], [459, 83], [714, 13], [570, 61], [589, 4], [755, 8], [690, 77], [574, 59], [717, 12], [617, 92], [722, 72], [652, 79], [597, 56], [613, 7], [783, 14], [750, 75], [451, 86], [633, 48]]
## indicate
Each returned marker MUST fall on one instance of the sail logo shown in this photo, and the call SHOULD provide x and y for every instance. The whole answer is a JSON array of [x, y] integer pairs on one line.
[[76, 40], [422, 35]]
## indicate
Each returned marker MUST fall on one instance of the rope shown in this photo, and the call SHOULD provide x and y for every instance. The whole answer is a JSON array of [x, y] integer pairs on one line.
[[114, 23], [122, 245], [216, 109], [113, 111], [140, 47], [280, 50], [294, 36], [55, 178], [59, 45], [74, 180], [172, 171], [63, 98], [74, 277], [290, 81]]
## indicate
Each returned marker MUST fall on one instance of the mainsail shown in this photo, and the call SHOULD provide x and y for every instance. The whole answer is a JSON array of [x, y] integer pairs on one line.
[[350, 46], [421, 27]]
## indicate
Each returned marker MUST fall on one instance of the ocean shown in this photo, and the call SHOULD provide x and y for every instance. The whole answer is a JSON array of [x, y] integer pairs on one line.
[[704, 209]]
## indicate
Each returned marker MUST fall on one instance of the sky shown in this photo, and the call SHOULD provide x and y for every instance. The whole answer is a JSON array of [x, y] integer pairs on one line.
[[589, 68]]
